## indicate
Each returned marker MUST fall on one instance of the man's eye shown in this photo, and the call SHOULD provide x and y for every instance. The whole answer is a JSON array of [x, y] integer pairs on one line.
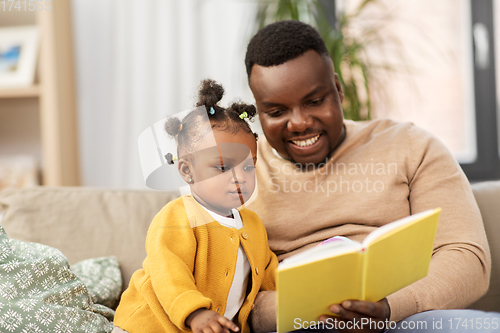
[[275, 113], [316, 101]]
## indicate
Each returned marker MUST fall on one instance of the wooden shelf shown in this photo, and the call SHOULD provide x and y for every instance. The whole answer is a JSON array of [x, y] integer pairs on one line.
[[32, 91], [53, 99]]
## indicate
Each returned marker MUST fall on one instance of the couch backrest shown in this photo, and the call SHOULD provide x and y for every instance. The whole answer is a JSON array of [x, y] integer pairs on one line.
[[487, 195], [90, 222], [85, 222]]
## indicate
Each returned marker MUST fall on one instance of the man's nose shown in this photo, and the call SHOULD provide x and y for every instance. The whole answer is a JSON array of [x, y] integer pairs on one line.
[[299, 121]]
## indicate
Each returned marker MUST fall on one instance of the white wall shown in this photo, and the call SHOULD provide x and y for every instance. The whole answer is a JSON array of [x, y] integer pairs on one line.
[[137, 61]]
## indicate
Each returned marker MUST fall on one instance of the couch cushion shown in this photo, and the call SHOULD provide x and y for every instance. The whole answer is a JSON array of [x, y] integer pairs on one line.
[[487, 195], [103, 279], [39, 292], [84, 222]]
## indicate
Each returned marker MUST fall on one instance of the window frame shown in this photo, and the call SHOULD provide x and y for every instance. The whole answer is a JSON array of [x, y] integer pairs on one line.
[[487, 164]]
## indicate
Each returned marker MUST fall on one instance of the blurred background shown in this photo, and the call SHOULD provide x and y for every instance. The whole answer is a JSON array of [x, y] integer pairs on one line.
[[81, 79]]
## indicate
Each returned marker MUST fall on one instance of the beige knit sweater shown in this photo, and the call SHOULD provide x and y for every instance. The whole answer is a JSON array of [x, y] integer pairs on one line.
[[383, 171]]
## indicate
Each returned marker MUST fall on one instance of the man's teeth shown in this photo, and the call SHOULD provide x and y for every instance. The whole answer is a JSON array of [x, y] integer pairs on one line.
[[308, 142]]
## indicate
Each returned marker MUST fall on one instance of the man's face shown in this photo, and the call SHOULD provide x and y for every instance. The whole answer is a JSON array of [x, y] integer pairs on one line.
[[299, 105]]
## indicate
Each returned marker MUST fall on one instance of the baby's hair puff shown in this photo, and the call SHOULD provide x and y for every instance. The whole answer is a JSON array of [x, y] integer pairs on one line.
[[194, 127], [173, 126]]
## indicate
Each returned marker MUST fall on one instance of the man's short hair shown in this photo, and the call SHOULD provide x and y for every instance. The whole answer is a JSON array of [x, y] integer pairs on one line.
[[282, 41]]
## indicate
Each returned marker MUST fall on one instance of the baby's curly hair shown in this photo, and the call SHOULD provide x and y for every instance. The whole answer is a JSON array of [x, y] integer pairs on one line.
[[190, 130]]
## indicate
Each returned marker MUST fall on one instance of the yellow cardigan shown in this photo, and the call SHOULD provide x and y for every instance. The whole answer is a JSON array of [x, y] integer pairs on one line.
[[190, 264]]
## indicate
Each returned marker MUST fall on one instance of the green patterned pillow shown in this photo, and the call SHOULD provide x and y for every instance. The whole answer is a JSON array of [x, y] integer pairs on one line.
[[39, 292], [103, 279]]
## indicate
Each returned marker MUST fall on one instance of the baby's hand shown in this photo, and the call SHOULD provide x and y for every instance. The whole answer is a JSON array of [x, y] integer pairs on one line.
[[208, 321]]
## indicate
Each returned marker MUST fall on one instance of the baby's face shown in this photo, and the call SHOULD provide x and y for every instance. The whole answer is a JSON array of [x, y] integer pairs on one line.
[[224, 175]]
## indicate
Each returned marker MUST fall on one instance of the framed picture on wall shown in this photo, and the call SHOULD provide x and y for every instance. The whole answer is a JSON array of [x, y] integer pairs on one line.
[[18, 171], [18, 56]]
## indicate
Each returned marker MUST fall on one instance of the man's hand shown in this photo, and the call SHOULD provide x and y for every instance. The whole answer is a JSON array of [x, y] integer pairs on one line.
[[355, 311], [208, 321]]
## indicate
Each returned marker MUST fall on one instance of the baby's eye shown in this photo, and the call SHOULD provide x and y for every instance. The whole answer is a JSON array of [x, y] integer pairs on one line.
[[249, 167], [223, 168]]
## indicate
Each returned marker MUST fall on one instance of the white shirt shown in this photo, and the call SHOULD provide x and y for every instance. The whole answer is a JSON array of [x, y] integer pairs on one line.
[[238, 290]]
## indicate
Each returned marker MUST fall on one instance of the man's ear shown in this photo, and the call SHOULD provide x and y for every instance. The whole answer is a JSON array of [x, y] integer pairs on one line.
[[339, 88], [185, 166]]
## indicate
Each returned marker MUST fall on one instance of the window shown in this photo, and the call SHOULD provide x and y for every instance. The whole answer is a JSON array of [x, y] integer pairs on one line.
[[447, 85]]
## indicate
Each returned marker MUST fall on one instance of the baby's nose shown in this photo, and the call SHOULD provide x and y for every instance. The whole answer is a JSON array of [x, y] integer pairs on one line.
[[239, 177]]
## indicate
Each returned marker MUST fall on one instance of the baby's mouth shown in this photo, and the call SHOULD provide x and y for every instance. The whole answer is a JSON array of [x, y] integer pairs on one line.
[[238, 192]]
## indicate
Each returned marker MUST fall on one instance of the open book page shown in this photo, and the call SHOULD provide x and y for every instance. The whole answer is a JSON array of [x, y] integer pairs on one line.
[[326, 250], [397, 259], [306, 291], [392, 227]]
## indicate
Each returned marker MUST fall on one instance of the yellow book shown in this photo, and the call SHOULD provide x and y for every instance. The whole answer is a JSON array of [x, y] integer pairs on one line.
[[389, 258]]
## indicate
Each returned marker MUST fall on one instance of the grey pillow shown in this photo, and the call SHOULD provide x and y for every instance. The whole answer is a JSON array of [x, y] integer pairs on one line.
[[102, 278]]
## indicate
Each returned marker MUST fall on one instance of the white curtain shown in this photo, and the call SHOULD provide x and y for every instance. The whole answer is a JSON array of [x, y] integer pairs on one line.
[[138, 61]]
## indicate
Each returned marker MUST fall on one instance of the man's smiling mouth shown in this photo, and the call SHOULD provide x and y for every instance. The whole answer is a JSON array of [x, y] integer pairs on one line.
[[306, 143]]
